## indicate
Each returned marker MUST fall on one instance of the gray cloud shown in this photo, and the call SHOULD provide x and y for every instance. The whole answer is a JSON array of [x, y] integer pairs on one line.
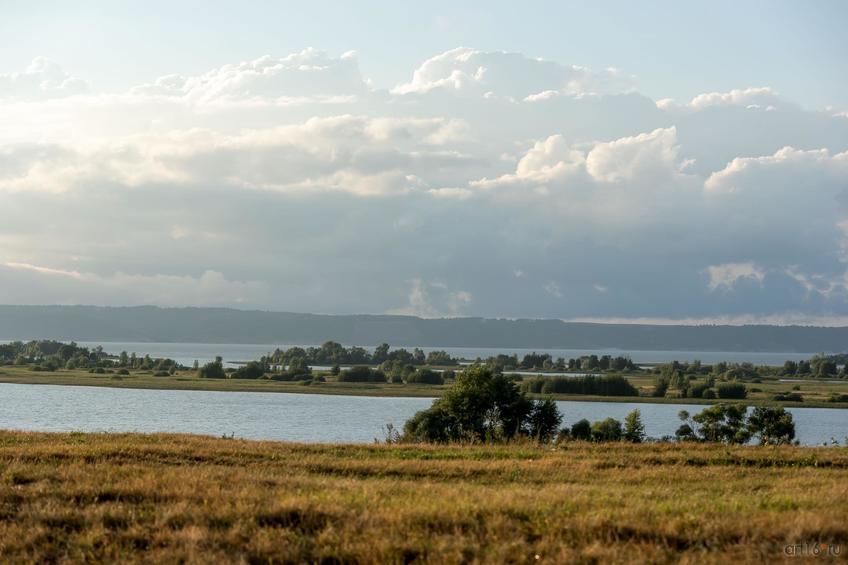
[[295, 184]]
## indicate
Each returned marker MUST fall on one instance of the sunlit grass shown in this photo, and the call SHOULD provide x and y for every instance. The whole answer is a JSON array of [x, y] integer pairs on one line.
[[126, 497]]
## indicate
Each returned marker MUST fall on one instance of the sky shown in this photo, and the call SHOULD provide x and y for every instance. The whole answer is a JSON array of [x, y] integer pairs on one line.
[[604, 161]]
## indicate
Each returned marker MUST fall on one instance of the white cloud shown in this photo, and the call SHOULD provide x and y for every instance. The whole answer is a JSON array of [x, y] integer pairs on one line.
[[433, 300], [346, 194], [42, 79], [727, 275], [508, 75], [301, 76], [346, 153]]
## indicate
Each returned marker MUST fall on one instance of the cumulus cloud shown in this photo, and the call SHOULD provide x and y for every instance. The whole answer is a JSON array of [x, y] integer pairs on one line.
[[297, 77], [348, 153], [42, 79], [469, 71], [489, 184]]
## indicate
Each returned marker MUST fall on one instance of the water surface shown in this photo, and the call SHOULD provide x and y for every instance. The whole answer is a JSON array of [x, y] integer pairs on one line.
[[299, 417]]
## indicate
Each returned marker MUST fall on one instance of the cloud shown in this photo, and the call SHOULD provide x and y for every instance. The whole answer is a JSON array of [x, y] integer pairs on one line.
[[366, 156], [293, 183], [309, 74], [510, 75], [433, 300], [725, 276], [42, 79], [37, 284]]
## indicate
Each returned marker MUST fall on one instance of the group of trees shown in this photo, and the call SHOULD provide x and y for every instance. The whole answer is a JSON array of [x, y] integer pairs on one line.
[[728, 423], [486, 405], [608, 429], [544, 361], [50, 355], [333, 353]]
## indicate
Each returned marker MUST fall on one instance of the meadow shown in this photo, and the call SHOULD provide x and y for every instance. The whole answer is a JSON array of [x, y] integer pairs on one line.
[[178, 498]]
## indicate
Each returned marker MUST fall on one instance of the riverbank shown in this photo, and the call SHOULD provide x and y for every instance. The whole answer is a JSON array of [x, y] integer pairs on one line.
[[130, 498], [816, 393]]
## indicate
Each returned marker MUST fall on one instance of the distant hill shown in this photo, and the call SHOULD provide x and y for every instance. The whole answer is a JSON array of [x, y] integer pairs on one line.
[[222, 325]]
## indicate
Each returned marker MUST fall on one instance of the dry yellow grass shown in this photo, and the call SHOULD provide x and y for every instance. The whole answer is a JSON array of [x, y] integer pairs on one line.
[[170, 498]]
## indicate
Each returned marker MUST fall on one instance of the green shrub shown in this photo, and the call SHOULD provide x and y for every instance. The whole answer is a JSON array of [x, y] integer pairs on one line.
[[362, 374], [732, 390], [606, 385], [425, 377]]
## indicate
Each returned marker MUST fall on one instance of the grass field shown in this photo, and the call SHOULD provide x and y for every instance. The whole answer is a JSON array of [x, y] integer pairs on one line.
[[170, 498], [816, 394]]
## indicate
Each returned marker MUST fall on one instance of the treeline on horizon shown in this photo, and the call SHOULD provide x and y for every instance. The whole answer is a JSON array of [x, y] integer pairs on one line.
[[221, 325]]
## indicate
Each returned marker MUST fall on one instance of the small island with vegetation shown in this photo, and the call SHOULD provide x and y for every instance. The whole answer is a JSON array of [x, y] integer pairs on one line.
[[332, 368]]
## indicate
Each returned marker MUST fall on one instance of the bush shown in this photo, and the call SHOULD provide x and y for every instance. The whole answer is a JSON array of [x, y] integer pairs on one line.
[[123, 372], [789, 397], [213, 370], [607, 430], [362, 374], [252, 370], [708, 394], [161, 374], [697, 390], [97, 371], [836, 397], [581, 429], [732, 390], [606, 385], [425, 377]]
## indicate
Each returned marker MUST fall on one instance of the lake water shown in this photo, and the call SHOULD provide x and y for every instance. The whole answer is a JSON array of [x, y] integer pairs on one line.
[[300, 417], [187, 353]]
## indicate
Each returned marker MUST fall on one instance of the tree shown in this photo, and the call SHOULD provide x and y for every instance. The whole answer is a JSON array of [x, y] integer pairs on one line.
[[790, 368], [213, 370], [481, 405], [251, 370], [607, 430], [544, 420], [362, 374], [771, 426], [582, 429], [723, 423], [660, 386], [381, 353], [634, 429]]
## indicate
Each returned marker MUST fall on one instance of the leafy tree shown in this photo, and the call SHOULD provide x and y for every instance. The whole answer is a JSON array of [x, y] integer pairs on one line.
[[608, 429], [581, 430], [661, 383], [634, 429], [440, 358], [771, 426], [480, 405], [790, 368], [251, 370], [544, 420], [722, 423], [381, 353], [213, 370]]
